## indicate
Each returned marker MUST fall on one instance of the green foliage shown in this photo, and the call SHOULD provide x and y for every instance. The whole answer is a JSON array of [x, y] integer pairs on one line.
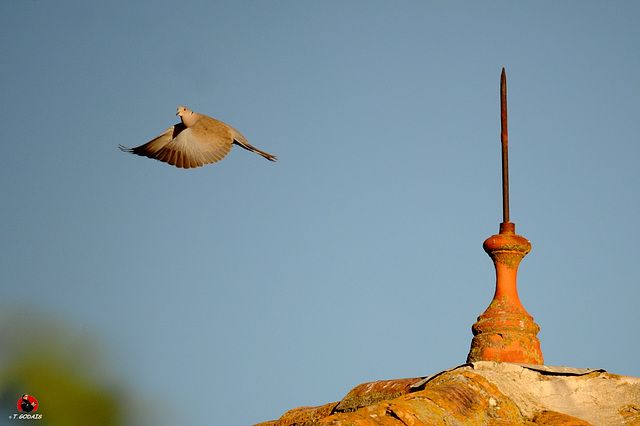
[[61, 368]]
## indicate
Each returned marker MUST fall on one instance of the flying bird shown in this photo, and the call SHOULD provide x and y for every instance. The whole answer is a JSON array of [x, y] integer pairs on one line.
[[194, 142]]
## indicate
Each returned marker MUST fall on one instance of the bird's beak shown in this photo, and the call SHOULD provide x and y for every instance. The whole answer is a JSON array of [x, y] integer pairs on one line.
[[178, 113]]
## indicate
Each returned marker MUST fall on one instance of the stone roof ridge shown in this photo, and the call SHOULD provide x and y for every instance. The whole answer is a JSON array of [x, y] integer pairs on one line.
[[560, 371], [480, 365], [484, 392]]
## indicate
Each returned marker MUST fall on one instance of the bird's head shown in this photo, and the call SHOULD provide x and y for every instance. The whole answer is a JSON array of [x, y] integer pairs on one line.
[[183, 110], [188, 117]]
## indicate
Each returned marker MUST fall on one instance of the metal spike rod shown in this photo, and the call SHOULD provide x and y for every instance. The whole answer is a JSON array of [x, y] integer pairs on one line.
[[504, 139]]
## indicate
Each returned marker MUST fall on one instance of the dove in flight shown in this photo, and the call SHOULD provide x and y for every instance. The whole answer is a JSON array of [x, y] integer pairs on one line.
[[196, 141]]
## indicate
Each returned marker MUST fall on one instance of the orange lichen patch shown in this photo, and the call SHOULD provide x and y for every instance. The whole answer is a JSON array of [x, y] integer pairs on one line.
[[303, 415], [631, 414], [372, 392], [553, 418], [487, 402]]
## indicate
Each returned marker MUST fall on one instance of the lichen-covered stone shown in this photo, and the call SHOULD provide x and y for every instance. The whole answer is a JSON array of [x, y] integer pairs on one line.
[[484, 394], [553, 418], [372, 392], [303, 416]]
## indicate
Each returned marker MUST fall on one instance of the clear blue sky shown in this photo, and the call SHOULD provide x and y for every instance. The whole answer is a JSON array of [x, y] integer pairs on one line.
[[256, 287]]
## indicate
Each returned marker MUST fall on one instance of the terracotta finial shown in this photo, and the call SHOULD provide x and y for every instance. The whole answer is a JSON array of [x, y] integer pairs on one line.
[[505, 331]]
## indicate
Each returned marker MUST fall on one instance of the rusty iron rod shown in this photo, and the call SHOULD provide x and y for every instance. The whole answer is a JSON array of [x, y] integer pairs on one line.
[[504, 139]]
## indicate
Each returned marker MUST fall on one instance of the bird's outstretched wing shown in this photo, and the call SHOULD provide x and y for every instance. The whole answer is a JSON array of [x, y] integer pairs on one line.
[[184, 147]]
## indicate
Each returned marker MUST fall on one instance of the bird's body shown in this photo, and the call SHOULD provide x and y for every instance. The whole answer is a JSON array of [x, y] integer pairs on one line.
[[196, 141]]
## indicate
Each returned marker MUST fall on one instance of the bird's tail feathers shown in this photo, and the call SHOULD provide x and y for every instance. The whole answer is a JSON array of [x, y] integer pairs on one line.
[[266, 155], [246, 145]]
